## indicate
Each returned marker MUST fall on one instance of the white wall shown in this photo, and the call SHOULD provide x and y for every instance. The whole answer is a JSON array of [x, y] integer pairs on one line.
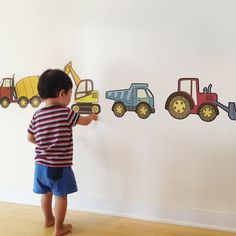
[[160, 168]]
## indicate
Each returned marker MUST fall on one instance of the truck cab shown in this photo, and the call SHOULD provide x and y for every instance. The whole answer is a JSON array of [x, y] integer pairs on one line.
[[6, 92], [6, 88], [143, 95]]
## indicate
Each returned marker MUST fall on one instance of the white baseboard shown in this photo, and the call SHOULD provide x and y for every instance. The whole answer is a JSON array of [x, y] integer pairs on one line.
[[162, 214]]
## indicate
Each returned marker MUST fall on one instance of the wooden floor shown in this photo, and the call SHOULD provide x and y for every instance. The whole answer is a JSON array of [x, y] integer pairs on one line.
[[22, 220]]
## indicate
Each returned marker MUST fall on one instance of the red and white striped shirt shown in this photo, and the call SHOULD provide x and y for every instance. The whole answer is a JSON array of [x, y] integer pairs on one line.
[[52, 130]]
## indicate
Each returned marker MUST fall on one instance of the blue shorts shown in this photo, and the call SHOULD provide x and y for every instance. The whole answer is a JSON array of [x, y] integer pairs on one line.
[[58, 180]]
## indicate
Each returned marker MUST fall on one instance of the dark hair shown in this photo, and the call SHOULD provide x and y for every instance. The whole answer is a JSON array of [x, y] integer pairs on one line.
[[51, 82]]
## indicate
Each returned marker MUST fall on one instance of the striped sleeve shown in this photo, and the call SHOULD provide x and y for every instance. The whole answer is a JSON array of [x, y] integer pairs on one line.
[[73, 118], [31, 128]]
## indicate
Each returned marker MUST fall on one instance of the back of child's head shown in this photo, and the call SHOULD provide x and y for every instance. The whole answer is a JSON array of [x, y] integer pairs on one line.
[[51, 82]]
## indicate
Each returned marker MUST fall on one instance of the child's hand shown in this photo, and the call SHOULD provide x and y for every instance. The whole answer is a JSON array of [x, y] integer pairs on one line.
[[94, 116], [86, 120]]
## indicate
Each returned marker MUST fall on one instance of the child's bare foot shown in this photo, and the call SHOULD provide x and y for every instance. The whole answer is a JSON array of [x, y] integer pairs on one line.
[[49, 222], [63, 230]]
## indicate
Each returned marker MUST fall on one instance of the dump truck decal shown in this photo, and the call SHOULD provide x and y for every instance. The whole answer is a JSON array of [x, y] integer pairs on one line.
[[137, 98]]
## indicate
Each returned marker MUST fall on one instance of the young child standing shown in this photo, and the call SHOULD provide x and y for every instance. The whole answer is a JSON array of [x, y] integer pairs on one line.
[[51, 130]]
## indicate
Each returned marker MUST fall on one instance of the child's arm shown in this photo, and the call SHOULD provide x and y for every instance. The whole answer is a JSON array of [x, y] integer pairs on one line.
[[31, 138], [86, 120]]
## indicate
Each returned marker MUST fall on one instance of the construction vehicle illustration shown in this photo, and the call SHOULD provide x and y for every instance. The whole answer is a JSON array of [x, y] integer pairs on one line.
[[137, 98], [23, 92], [230, 109], [86, 98], [188, 100]]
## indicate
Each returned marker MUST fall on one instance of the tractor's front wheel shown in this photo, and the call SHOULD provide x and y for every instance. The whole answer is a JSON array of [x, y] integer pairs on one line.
[[143, 110], [119, 109], [208, 112], [179, 107]]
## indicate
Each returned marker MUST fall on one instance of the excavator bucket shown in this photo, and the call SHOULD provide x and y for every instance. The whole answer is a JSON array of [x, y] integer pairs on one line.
[[230, 109]]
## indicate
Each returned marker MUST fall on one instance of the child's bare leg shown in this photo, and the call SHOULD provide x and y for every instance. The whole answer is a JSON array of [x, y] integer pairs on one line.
[[60, 212], [46, 203]]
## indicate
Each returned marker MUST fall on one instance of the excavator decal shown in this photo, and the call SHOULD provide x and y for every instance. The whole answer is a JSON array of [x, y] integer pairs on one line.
[[188, 100], [137, 98], [86, 98], [23, 92]]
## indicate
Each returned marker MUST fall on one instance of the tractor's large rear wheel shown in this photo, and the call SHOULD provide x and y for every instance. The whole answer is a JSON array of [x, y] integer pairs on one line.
[[119, 109], [208, 112], [179, 107]]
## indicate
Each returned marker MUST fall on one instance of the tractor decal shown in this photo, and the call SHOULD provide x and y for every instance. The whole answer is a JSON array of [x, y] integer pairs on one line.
[[189, 100]]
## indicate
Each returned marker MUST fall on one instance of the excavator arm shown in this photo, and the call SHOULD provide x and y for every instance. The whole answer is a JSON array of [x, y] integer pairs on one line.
[[69, 69]]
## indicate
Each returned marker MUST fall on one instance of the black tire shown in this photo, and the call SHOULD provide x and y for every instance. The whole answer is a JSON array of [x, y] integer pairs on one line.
[[96, 109], [143, 110], [35, 101], [75, 107], [23, 102], [119, 109], [208, 112], [179, 107], [5, 102]]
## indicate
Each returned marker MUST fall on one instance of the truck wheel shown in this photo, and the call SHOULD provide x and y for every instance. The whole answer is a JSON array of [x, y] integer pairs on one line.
[[143, 110], [5, 102], [75, 108], [35, 101], [179, 107], [23, 102], [119, 109], [96, 109], [207, 112]]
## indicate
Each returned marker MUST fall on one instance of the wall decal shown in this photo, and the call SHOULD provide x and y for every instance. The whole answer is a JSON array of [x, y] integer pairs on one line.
[[23, 92], [230, 109], [137, 98], [85, 98], [188, 100]]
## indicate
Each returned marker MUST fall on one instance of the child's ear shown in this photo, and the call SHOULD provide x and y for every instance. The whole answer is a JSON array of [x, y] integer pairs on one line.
[[61, 93]]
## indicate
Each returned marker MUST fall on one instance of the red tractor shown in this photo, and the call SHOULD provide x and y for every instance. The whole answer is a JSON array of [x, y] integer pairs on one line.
[[188, 100]]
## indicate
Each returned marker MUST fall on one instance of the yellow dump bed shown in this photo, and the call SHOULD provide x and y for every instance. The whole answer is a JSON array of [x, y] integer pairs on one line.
[[27, 87]]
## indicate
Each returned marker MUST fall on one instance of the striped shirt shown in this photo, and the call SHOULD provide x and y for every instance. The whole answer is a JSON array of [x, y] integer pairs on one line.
[[52, 130]]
